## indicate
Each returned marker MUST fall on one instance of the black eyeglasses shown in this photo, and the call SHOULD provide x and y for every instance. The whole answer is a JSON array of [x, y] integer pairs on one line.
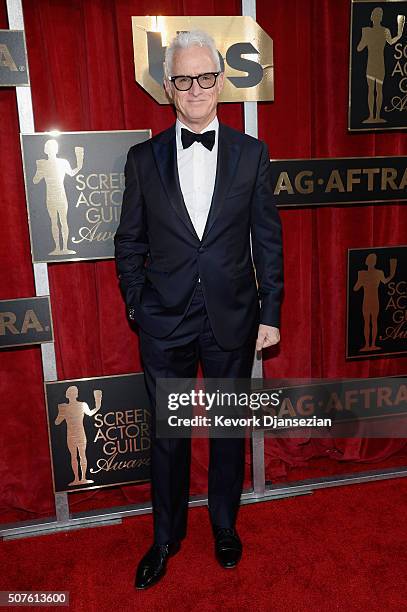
[[206, 81]]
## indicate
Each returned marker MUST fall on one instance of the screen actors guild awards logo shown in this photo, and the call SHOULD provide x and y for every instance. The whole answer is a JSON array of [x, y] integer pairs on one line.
[[73, 414], [377, 302], [53, 171], [378, 65], [374, 39], [98, 442], [74, 191]]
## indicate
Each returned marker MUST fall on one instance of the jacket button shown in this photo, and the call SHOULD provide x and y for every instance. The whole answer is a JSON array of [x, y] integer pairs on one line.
[[201, 249]]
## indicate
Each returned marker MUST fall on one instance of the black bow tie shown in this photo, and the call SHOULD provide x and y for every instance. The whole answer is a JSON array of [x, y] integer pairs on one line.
[[206, 138]]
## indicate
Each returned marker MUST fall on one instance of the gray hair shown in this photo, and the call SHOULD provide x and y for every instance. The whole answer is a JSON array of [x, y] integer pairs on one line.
[[184, 40]]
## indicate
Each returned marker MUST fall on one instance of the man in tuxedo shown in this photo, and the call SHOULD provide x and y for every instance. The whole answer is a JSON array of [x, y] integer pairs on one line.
[[194, 194]]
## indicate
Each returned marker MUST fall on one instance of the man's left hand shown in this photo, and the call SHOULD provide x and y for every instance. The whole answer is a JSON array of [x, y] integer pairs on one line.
[[267, 336]]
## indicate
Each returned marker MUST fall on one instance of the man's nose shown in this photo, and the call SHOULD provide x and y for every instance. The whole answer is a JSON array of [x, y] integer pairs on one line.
[[195, 89]]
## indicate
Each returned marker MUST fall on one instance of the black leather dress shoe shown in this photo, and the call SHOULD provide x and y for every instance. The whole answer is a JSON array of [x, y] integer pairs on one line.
[[228, 547], [153, 565]]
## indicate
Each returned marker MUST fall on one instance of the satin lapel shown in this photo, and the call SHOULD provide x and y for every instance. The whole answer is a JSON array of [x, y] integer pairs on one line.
[[165, 153], [228, 157]]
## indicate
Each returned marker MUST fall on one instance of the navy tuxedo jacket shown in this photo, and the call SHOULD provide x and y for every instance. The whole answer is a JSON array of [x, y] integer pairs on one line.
[[159, 256]]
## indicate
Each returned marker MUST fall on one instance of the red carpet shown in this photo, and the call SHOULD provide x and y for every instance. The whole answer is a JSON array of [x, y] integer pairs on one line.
[[338, 549]]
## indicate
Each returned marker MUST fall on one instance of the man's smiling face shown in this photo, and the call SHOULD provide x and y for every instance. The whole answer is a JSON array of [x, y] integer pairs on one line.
[[195, 107]]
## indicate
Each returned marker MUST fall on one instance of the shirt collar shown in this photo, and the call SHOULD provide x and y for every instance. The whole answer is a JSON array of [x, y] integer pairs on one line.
[[214, 125]]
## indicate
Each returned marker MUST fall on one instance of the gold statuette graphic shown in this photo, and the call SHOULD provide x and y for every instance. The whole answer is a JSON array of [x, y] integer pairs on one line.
[[374, 38], [53, 171], [370, 280], [73, 413]]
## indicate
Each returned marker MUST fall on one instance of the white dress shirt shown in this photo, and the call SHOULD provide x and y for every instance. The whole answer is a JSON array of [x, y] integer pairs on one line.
[[197, 171]]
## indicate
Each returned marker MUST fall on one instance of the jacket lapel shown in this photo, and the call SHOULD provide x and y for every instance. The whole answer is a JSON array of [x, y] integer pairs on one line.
[[228, 157], [165, 153]]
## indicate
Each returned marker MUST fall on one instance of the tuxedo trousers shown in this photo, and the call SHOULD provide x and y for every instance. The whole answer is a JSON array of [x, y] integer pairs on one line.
[[178, 356]]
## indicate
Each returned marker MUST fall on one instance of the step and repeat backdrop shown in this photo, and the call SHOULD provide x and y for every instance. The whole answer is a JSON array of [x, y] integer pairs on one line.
[[98, 427]]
